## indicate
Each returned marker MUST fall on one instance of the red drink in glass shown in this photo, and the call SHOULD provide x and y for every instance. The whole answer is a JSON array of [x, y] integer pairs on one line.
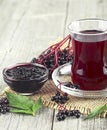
[[89, 68]]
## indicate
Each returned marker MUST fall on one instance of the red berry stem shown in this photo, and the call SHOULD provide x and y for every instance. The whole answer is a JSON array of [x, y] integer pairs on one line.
[[53, 47], [56, 55]]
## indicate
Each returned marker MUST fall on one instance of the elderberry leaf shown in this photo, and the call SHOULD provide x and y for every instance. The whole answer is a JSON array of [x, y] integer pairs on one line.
[[37, 105], [15, 110], [23, 104], [19, 101], [96, 112]]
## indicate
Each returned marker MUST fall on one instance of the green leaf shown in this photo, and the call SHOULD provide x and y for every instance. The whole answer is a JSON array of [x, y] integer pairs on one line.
[[96, 112], [19, 101], [37, 105], [15, 110], [23, 104]]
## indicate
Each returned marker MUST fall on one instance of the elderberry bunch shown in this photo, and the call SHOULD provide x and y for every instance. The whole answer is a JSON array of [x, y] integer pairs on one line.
[[53, 61], [63, 114], [61, 99], [71, 85], [4, 105], [56, 55]]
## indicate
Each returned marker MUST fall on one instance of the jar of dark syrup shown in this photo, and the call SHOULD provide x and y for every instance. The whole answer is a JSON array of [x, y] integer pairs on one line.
[[89, 41]]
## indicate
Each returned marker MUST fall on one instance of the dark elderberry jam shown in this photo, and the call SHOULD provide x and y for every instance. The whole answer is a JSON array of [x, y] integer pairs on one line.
[[25, 77]]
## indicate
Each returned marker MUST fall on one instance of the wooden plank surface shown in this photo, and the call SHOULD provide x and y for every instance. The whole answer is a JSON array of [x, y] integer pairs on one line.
[[26, 29]]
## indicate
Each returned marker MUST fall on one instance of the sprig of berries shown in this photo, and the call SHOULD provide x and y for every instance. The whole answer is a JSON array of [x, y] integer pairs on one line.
[[71, 85], [4, 105], [63, 114], [60, 99], [55, 56]]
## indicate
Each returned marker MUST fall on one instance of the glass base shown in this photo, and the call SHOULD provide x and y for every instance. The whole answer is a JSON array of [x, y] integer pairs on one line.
[[8, 89], [62, 74]]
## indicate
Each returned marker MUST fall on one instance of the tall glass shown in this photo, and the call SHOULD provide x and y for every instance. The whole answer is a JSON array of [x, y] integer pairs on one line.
[[89, 41]]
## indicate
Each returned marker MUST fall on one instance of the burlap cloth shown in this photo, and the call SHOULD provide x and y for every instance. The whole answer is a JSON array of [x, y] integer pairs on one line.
[[85, 105]]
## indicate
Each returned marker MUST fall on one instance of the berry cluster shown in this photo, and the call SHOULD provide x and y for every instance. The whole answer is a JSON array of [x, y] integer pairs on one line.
[[61, 99], [25, 73], [71, 85], [55, 56], [62, 114], [63, 57], [4, 105]]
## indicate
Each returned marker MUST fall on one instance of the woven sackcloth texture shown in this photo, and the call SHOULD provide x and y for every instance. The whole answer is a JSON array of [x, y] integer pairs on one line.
[[85, 105]]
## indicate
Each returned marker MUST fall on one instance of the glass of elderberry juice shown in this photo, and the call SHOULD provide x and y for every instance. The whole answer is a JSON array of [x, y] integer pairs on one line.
[[89, 42]]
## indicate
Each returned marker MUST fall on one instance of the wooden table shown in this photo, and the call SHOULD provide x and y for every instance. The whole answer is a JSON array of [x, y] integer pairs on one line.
[[27, 27]]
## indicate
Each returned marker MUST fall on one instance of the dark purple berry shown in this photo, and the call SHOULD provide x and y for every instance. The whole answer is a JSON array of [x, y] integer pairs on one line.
[[61, 115], [59, 118], [3, 111], [1, 105], [58, 114], [77, 115], [72, 113], [4, 105], [71, 85], [69, 113], [60, 98], [76, 111], [57, 100], [53, 98], [76, 86], [57, 93], [34, 60], [6, 101]]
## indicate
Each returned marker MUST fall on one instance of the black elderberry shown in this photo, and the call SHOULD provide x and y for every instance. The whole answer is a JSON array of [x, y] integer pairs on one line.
[[4, 105], [57, 93], [68, 84], [72, 113], [51, 56], [61, 101], [52, 59], [57, 101], [70, 59], [53, 98], [76, 86], [71, 85], [58, 98], [34, 60], [76, 111], [59, 118], [1, 105], [7, 109], [77, 115], [3, 111], [62, 114]]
